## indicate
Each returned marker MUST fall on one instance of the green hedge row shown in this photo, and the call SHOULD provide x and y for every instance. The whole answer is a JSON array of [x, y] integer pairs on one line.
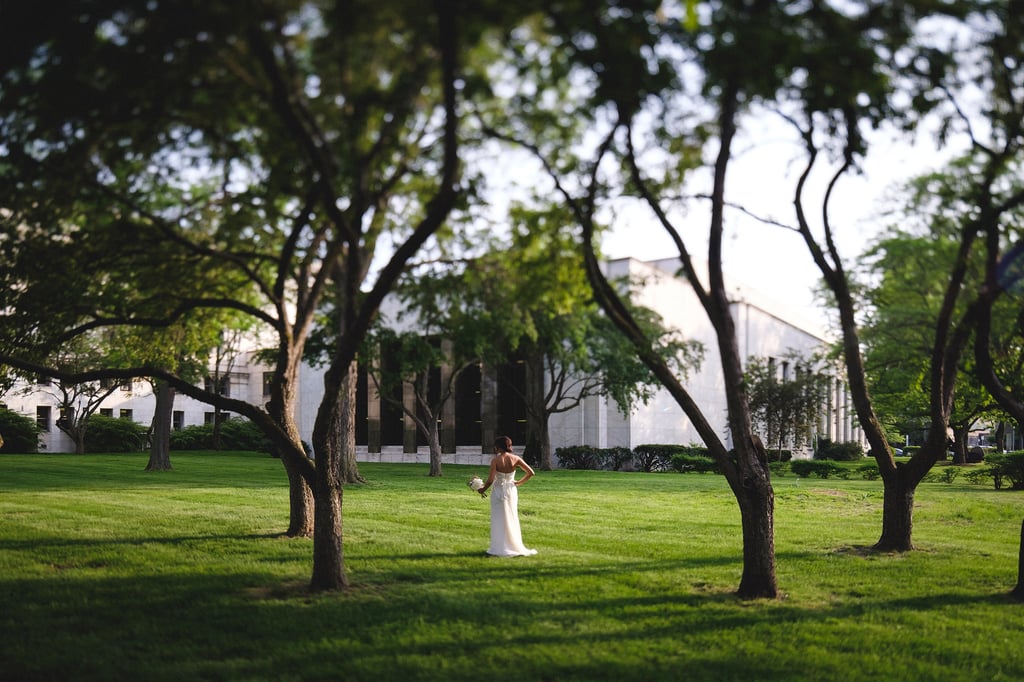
[[20, 433], [235, 434]]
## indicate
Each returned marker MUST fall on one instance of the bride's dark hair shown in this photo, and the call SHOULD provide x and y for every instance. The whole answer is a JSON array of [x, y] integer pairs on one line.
[[503, 444]]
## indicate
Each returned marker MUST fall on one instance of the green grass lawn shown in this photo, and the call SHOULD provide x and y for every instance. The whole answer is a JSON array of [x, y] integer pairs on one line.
[[111, 573]]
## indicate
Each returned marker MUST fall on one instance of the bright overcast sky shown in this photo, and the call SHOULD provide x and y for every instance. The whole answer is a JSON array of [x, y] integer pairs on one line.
[[773, 259]]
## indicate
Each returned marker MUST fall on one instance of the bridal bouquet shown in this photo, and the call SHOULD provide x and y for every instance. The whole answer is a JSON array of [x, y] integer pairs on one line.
[[476, 485]]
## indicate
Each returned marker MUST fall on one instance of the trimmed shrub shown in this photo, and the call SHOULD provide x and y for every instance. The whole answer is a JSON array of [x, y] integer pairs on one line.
[[687, 463], [869, 472], [616, 458], [578, 457], [1008, 466], [242, 434], [108, 434], [810, 467], [235, 434], [651, 457], [196, 437], [20, 433], [779, 455], [846, 451]]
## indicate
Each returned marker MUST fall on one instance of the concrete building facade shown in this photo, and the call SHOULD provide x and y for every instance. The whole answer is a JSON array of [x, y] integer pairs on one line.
[[486, 402]]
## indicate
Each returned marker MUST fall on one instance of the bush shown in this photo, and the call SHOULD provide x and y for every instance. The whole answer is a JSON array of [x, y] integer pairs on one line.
[[235, 434], [822, 469], [615, 458], [20, 433], [196, 437], [869, 472], [659, 457], [107, 434], [578, 457], [1009, 466], [980, 475], [847, 451], [943, 474], [686, 462], [242, 434], [779, 455]]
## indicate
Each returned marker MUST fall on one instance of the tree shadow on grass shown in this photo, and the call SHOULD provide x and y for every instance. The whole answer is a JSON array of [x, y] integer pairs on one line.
[[454, 616]]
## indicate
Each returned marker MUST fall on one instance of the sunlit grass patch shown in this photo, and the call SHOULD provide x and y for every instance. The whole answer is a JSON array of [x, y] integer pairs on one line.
[[109, 572]]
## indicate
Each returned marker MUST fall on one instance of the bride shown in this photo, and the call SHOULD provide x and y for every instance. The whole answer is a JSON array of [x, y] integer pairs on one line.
[[506, 536]]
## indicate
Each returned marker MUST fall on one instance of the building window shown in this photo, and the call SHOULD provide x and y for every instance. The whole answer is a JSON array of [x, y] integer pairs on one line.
[[268, 383], [208, 417], [126, 414], [43, 417], [107, 412], [223, 387], [178, 420]]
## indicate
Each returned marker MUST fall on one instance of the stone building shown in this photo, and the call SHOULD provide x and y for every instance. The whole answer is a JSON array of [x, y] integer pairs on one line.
[[486, 402]]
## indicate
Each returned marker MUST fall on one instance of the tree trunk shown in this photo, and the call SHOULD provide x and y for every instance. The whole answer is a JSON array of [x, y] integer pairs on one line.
[[1000, 437], [300, 503], [215, 434], [959, 445], [434, 443], [346, 428], [160, 447], [300, 494], [333, 422], [328, 552], [897, 513], [1018, 591], [757, 511], [546, 460]]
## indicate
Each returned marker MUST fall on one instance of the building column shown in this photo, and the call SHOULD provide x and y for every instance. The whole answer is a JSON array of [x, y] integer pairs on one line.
[[488, 407]]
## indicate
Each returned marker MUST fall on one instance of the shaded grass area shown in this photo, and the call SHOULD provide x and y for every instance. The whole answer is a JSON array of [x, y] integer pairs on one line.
[[109, 572]]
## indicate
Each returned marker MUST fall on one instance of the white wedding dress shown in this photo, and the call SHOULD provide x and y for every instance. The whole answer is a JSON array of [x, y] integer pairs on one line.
[[506, 536]]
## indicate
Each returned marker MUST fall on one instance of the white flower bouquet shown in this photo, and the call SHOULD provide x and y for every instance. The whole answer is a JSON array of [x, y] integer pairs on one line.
[[476, 485]]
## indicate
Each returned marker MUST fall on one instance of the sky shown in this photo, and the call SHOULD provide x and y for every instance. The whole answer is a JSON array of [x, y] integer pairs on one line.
[[772, 259]]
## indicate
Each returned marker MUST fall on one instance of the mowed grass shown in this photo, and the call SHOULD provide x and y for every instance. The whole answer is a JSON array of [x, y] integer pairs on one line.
[[111, 573]]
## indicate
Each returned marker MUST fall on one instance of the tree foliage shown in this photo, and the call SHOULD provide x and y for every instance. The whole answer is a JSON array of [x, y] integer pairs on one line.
[[786, 402], [165, 159]]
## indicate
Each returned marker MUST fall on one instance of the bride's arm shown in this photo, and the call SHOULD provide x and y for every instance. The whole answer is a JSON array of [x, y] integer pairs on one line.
[[521, 463]]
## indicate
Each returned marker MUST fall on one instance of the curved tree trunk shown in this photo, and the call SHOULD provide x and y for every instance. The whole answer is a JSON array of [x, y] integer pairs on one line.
[[160, 447], [300, 494]]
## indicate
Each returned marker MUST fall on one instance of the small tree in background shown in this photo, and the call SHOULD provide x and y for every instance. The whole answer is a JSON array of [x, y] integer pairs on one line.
[[785, 402]]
